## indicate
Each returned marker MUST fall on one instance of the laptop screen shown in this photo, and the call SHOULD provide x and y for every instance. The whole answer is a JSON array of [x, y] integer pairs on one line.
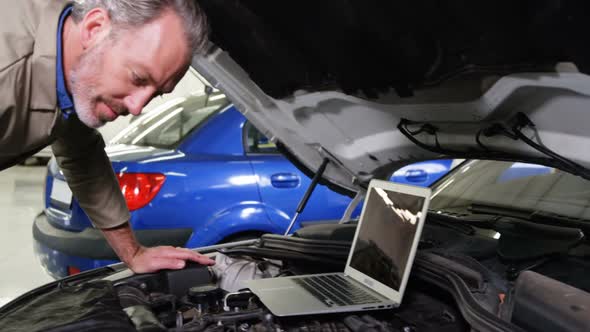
[[385, 239]]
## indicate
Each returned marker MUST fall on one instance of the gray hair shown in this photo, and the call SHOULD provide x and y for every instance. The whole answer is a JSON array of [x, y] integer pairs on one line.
[[134, 13]]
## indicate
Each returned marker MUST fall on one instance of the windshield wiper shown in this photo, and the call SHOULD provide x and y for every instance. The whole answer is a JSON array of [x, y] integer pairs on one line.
[[462, 223], [554, 219], [541, 217], [499, 210]]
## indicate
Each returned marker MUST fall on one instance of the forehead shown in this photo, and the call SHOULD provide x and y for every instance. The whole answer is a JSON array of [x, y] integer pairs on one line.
[[159, 47]]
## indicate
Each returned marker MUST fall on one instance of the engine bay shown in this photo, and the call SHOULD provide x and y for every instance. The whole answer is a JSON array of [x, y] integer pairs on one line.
[[154, 304], [454, 286]]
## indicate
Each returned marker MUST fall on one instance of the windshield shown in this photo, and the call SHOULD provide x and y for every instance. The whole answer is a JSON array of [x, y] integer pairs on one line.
[[513, 185], [169, 124]]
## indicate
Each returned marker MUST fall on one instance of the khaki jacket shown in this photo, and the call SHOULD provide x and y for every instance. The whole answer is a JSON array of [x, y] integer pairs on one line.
[[30, 119]]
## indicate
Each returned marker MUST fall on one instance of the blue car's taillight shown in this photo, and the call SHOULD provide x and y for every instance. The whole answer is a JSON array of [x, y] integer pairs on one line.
[[140, 188]]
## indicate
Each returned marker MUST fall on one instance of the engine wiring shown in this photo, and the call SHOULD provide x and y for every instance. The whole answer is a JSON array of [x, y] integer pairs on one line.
[[228, 295]]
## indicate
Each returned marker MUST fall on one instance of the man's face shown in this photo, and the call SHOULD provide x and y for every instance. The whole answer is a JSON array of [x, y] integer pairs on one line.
[[122, 72]]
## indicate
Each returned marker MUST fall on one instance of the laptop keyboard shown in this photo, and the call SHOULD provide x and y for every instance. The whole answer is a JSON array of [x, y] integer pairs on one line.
[[334, 290]]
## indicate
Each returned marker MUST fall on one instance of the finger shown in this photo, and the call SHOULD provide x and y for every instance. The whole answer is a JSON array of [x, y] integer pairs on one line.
[[154, 264], [199, 258], [202, 259], [173, 252], [187, 254], [184, 254], [167, 263]]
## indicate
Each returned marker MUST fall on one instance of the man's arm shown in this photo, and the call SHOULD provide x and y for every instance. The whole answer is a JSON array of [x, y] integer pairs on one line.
[[145, 260], [80, 154]]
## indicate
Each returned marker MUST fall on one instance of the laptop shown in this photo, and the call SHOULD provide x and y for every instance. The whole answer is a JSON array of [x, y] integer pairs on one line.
[[378, 265]]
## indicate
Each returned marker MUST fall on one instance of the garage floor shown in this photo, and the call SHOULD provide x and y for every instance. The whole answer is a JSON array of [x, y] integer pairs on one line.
[[21, 199]]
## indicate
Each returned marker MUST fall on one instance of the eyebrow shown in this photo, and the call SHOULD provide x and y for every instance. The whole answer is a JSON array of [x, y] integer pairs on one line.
[[165, 89], [159, 90], [149, 76]]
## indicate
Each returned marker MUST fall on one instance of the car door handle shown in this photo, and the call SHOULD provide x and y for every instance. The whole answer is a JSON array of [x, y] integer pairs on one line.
[[416, 175], [285, 180]]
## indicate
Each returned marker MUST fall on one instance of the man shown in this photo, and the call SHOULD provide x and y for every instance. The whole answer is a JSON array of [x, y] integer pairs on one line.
[[67, 68]]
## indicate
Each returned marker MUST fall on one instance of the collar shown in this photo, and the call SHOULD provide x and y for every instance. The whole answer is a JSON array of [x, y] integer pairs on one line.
[[45, 16], [64, 99]]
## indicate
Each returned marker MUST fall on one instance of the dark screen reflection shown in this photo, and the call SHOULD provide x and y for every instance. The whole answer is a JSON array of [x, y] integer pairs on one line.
[[386, 235]]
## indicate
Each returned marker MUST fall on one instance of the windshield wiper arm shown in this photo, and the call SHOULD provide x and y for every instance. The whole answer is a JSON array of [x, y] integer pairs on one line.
[[462, 224], [541, 217], [554, 219], [499, 210]]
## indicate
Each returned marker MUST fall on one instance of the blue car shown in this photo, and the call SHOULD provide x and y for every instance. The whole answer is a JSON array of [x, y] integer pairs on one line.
[[194, 173]]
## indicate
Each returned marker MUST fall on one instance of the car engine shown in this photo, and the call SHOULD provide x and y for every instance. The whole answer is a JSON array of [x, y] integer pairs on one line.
[[447, 291], [193, 300]]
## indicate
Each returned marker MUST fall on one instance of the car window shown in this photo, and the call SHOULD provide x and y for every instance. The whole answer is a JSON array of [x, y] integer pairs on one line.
[[168, 125], [256, 142], [519, 186]]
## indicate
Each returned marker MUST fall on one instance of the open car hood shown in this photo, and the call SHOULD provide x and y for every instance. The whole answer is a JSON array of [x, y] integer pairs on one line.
[[375, 85]]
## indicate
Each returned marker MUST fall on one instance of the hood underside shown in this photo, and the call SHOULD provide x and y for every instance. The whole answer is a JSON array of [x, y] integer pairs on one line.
[[374, 85]]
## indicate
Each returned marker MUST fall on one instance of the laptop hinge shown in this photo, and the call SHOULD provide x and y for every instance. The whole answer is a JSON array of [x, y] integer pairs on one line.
[[360, 195]]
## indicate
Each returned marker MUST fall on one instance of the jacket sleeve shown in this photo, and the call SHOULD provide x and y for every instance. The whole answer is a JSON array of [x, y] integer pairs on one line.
[[80, 154]]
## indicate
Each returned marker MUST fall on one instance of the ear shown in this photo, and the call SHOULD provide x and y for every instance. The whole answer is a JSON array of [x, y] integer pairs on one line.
[[95, 26]]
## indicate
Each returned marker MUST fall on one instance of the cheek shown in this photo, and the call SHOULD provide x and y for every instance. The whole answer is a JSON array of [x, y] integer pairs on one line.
[[113, 77], [118, 84], [91, 80]]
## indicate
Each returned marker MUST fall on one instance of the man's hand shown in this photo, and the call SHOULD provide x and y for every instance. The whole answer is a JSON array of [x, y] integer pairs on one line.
[[148, 260], [145, 260]]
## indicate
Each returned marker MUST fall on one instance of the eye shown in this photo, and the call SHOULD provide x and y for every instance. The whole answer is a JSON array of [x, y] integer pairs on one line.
[[137, 80]]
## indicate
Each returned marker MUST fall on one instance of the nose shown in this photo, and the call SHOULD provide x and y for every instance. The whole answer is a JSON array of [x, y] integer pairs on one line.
[[135, 101]]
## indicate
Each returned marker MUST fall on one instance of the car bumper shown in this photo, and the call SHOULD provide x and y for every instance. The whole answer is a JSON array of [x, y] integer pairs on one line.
[[57, 248], [56, 263]]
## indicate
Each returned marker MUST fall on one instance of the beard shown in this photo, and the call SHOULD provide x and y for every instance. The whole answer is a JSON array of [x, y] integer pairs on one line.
[[84, 83]]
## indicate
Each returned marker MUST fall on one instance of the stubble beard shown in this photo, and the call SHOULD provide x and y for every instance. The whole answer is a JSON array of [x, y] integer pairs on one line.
[[84, 83]]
